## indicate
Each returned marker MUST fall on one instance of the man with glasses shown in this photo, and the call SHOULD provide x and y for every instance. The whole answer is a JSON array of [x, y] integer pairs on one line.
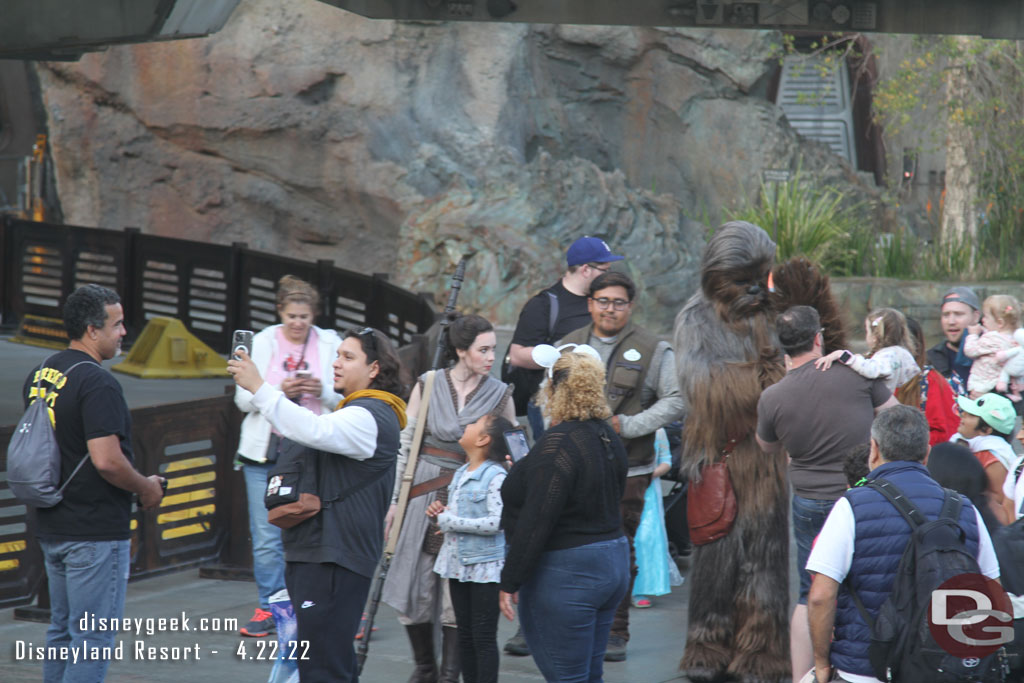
[[643, 394], [548, 316], [818, 417]]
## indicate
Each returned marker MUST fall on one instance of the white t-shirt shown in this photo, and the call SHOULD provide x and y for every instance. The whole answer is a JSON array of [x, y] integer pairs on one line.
[[1014, 490], [832, 555]]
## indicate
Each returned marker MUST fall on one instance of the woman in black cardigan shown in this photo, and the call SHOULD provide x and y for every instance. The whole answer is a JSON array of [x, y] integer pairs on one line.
[[568, 560]]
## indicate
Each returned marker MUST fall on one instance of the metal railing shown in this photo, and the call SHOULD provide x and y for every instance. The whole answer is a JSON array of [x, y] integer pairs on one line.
[[213, 289]]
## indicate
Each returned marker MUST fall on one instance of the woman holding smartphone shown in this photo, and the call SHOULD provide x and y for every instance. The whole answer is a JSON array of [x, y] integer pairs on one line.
[[461, 395], [473, 552], [294, 356]]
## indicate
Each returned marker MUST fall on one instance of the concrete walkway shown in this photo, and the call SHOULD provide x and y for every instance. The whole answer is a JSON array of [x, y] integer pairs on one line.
[[658, 635]]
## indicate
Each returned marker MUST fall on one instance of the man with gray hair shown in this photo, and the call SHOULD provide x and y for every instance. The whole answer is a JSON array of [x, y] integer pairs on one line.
[[817, 417], [85, 537], [863, 539]]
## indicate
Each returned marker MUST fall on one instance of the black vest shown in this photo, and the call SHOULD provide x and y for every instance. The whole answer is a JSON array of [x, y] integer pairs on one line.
[[350, 532]]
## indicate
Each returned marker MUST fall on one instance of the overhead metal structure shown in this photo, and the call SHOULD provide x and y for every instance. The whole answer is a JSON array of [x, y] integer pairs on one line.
[[64, 29], [988, 18]]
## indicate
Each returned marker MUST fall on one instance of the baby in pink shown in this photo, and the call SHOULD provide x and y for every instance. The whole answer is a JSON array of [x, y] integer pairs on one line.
[[1000, 316]]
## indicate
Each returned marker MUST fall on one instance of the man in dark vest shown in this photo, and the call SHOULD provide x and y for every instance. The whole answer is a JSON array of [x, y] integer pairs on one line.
[[862, 542], [643, 394]]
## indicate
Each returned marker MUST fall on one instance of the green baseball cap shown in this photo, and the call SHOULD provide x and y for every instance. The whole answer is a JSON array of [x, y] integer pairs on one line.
[[997, 411]]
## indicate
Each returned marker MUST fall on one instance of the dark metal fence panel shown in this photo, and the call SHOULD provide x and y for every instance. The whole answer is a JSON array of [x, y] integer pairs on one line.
[[258, 277], [213, 289], [192, 281], [47, 262], [21, 561], [192, 444]]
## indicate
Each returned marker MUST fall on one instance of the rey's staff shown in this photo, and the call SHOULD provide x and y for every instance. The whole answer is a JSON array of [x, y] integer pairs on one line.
[[373, 603]]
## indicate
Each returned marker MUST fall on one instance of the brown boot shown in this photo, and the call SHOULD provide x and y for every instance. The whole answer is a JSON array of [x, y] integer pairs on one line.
[[450, 666], [421, 637]]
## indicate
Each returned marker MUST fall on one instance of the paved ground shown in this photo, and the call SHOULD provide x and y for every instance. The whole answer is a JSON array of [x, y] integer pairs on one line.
[[658, 636]]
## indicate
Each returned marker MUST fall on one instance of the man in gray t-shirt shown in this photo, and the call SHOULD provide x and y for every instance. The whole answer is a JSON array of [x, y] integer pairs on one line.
[[817, 416]]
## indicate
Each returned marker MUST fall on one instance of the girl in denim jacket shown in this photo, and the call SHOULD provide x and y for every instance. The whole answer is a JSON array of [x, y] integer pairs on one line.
[[473, 552]]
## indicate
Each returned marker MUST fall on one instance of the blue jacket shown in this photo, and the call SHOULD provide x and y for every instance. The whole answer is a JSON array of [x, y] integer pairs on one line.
[[471, 503], [881, 536]]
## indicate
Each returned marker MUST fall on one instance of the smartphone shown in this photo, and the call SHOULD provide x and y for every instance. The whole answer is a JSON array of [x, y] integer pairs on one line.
[[515, 443], [303, 374], [241, 340]]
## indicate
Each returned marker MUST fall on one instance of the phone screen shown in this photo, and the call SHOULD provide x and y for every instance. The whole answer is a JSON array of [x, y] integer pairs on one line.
[[515, 442]]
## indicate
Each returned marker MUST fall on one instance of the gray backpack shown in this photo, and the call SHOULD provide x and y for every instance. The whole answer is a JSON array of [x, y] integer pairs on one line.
[[33, 456]]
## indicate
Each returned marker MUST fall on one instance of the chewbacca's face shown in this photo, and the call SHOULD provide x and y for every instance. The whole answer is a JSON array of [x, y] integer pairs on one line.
[[734, 274]]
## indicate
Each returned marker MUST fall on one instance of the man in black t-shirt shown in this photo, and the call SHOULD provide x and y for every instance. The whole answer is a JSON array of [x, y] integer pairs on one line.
[[85, 537], [587, 258]]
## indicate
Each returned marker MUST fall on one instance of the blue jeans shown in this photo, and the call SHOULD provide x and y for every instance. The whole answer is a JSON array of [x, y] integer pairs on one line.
[[87, 578], [267, 550], [809, 516], [566, 608]]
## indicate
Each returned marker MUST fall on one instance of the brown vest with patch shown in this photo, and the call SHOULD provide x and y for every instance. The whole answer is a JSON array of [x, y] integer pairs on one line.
[[625, 380]]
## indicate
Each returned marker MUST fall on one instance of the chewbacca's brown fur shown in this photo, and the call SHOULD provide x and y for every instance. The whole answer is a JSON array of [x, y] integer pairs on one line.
[[727, 353]]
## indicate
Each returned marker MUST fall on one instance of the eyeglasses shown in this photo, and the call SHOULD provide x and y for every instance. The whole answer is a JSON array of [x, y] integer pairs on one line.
[[369, 333], [597, 266], [618, 304]]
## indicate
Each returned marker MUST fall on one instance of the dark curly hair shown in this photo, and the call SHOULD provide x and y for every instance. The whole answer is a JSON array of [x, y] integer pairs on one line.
[[378, 347], [87, 306]]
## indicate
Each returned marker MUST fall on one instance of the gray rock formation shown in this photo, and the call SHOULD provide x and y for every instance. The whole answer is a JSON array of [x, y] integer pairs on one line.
[[305, 130]]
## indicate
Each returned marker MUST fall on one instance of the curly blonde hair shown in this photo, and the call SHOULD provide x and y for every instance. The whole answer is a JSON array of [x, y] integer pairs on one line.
[[576, 389]]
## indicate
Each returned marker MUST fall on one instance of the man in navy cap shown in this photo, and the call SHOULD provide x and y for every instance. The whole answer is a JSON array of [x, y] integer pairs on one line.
[[960, 310], [546, 317]]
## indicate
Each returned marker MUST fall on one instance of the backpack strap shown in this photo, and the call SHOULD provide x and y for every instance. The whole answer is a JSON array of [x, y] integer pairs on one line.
[[951, 505], [39, 381], [908, 510], [552, 315]]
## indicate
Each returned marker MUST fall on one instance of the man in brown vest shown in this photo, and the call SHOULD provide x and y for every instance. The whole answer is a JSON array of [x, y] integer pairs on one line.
[[643, 394]]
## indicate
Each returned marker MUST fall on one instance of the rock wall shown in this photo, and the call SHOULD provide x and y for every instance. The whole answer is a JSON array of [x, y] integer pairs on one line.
[[395, 147]]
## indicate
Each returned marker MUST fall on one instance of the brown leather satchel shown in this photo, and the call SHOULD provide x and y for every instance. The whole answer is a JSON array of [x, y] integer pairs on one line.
[[711, 502]]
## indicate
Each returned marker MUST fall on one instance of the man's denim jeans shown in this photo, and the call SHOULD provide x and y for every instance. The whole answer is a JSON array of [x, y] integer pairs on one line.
[[267, 551], [809, 515], [87, 579]]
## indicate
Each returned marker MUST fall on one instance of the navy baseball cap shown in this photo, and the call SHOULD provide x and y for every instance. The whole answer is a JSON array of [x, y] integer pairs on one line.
[[590, 250]]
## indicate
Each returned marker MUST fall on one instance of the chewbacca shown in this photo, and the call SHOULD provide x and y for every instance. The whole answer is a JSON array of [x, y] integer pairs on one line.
[[727, 353]]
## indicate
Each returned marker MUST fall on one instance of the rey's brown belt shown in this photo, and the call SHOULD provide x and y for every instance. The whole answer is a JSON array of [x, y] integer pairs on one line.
[[442, 479]]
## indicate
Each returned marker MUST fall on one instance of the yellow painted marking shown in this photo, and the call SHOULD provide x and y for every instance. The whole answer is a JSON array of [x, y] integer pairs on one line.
[[8, 565], [180, 531], [188, 497], [12, 547], [178, 515]]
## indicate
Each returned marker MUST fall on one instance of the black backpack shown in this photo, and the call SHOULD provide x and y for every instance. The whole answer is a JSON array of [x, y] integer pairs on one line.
[[525, 381], [902, 646]]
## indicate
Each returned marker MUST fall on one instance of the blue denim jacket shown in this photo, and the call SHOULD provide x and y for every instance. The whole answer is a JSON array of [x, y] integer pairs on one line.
[[472, 504]]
